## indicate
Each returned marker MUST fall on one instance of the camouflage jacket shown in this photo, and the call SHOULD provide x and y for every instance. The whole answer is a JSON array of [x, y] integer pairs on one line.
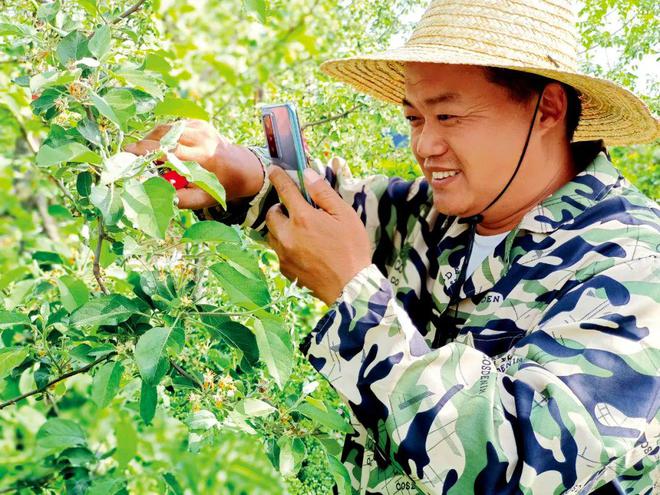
[[550, 386]]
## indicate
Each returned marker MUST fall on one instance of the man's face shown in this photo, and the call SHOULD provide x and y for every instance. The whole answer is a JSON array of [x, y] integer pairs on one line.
[[467, 134]]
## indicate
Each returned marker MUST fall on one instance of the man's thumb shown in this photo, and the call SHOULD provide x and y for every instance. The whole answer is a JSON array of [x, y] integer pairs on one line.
[[194, 198], [321, 192]]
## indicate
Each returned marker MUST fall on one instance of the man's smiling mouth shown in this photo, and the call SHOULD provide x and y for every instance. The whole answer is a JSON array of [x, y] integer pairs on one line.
[[443, 174]]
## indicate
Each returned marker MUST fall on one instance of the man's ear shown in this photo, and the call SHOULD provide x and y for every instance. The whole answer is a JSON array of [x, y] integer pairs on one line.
[[553, 108]]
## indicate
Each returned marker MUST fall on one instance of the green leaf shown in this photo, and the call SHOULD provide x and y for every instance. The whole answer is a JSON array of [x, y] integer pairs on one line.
[[47, 258], [148, 402], [210, 231], [106, 383], [13, 275], [150, 354], [286, 461], [84, 184], [108, 201], [9, 29], [243, 260], [48, 11], [201, 420], [292, 453], [60, 212], [123, 105], [99, 44], [198, 175], [247, 292], [323, 414], [179, 107], [89, 6], [90, 131], [112, 309], [9, 319], [78, 456], [161, 292], [233, 333], [73, 292], [127, 441], [275, 347], [108, 484], [44, 106], [103, 108], [72, 47], [47, 79], [256, 7], [341, 476], [150, 205], [10, 358], [117, 105], [60, 434], [149, 82], [121, 165], [70, 152], [173, 484], [171, 138], [158, 64], [254, 407]]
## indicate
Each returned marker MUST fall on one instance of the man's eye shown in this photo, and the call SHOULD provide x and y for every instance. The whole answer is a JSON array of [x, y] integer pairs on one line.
[[411, 118], [444, 117]]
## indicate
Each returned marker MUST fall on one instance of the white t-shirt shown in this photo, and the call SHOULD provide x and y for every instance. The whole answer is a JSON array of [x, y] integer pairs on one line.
[[483, 246]]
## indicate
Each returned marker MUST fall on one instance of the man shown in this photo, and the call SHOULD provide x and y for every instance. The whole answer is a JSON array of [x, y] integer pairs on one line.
[[493, 325]]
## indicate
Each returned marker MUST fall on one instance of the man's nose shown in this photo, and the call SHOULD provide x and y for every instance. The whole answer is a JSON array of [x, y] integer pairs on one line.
[[430, 142]]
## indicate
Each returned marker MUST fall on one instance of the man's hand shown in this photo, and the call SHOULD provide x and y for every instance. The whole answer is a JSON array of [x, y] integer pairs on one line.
[[237, 169], [323, 248]]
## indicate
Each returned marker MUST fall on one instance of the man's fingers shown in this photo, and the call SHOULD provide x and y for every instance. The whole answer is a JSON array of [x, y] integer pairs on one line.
[[274, 243], [192, 127], [182, 152], [158, 132], [275, 220], [322, 193], [189, 153], [287, 190], [143, 147], [194, 198]]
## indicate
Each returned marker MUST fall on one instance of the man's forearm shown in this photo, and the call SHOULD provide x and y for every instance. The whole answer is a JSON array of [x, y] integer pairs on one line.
[[240, 172]]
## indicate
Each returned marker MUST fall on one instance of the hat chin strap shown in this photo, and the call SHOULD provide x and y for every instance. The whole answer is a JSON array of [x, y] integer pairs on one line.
[[473, 221], [478, 218]]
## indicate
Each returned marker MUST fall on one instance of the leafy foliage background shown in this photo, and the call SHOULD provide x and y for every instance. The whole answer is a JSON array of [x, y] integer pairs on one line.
[[142, 351]]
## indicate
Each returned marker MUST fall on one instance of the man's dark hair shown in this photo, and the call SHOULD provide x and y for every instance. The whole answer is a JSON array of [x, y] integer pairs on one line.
[[523, 85]]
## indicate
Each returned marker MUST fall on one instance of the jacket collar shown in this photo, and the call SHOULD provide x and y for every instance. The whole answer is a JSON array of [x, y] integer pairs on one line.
[[589, 186], [586, 189]]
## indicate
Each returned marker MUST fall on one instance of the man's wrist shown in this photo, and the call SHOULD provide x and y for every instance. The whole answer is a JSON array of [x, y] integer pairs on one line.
[[353, 286], [240, 171]]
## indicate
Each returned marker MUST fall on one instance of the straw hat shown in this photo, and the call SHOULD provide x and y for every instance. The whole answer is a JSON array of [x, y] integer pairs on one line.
[[537, 36]]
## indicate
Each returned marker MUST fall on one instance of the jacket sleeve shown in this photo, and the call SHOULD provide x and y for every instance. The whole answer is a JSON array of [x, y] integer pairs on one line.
[[385, 204], [572, 405]]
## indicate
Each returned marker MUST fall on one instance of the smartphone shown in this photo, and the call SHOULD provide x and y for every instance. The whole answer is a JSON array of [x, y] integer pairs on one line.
[[285, 142]]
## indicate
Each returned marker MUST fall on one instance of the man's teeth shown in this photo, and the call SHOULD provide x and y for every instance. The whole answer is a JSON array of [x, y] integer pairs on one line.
[[444, 174]]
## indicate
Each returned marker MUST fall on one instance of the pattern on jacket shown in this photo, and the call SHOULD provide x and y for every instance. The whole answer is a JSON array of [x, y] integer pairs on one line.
[[552, 383]]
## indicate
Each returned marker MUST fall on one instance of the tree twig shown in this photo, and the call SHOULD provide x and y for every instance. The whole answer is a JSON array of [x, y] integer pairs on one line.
[[184, 373], [97, 258], [334, 117], [129, 12], [49, 224], [57, 380]]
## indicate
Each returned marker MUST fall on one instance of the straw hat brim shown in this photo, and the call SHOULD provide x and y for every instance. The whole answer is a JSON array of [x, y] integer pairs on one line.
[[609, 111]]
